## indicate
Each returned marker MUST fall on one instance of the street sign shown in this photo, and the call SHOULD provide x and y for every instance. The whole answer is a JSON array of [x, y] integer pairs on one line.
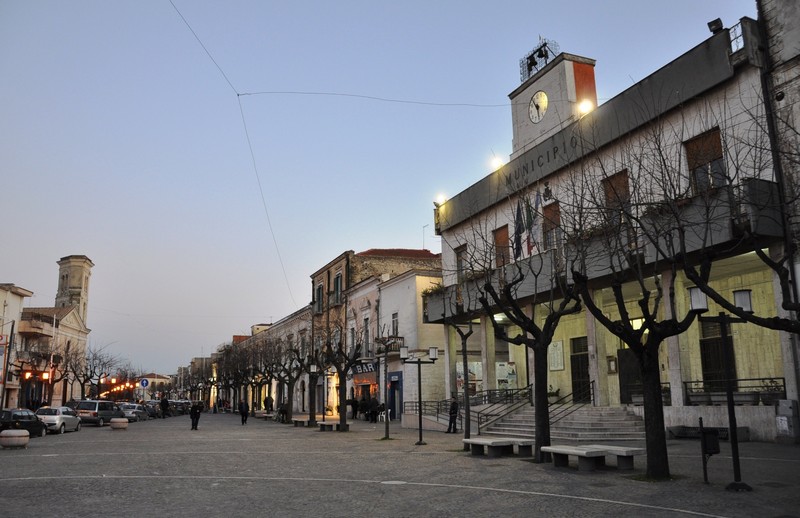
[[144, 383]]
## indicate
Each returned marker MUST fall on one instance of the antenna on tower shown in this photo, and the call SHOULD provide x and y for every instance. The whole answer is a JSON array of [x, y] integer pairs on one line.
[[536, 59]]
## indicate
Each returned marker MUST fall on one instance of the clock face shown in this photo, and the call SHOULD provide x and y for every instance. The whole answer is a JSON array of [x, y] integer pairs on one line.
[[538, 106]]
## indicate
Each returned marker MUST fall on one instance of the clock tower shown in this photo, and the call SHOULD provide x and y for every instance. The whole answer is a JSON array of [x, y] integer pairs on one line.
[[74, 272], [557, 88]]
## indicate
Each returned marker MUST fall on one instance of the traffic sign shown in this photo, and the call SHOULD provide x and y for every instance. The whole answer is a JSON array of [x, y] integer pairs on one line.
[[144, 383]]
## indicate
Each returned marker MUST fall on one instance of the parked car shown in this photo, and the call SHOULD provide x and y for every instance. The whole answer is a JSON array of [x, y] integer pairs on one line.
[[22, 419], [134, 412], [98, 412], [153, 411], [59, 419]]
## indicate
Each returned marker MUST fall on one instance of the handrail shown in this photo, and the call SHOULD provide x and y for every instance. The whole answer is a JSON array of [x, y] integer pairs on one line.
[[507, 402], [571, 403]]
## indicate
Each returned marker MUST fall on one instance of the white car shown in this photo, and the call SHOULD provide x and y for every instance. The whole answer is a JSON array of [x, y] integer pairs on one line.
[[59, 419]]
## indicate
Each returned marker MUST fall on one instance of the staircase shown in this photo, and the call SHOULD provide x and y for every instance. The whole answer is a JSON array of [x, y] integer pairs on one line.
[[586, 425]]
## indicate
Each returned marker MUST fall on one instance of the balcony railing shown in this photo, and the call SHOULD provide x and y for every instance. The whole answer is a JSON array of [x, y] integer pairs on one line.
[[749, 391]]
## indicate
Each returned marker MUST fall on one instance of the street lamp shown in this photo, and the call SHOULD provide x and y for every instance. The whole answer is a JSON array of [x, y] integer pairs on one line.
[[433, 355], [699, 305]]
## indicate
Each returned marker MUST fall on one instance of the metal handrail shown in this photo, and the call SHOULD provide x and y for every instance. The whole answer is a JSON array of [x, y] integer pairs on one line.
[[571, 403], [510, 401]]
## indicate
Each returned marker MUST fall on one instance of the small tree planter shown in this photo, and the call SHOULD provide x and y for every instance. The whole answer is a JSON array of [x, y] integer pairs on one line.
[[118, 423], [14, 439]]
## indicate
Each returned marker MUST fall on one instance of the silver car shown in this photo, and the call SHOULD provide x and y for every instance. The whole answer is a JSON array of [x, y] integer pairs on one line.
[[134, 412], [59, 419]]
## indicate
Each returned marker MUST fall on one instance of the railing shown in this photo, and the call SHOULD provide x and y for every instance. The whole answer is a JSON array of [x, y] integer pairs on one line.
[[501, 403], [748, 391], [571, 403], [636, 391]]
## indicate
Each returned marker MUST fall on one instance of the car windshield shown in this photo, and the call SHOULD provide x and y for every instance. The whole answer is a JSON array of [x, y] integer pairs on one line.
[[47, 411], [128, 407], [87, 405]]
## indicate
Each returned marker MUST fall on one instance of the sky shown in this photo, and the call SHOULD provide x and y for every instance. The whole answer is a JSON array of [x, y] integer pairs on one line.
[[208, 157]]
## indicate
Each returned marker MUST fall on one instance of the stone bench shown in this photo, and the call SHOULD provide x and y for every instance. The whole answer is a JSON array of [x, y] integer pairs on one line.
[[297, 422], [587, 457], [524, 447], [592, 455], [325, 427], [625, 454], [495, 447]]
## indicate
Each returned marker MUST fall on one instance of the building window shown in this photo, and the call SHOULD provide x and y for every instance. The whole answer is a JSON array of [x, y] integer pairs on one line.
[[706, 166], [617, 197], [461, 262], [352, 337], [551, 226], [395, 324], [318, 301], [337, 288], [501, 246]]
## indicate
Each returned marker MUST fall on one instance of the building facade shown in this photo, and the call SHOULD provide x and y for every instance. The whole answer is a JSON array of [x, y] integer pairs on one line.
[[670, 185]]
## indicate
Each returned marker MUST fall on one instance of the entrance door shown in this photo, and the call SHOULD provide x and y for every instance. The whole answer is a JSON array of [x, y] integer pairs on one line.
[[579, 365], [395, 403], [630, 375], [712, 356]]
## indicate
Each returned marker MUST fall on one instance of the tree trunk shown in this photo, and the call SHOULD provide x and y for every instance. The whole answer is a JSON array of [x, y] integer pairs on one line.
[[467, 412], [540, 406], [312, 399], [290, 399], [655, 433], [342, 399]]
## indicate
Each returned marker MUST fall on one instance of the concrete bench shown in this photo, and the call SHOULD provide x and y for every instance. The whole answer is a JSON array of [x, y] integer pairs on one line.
[[524, 447], [494, 447], [325, 427], [591, 456], [625, 454], [587, 457], [299, 422]]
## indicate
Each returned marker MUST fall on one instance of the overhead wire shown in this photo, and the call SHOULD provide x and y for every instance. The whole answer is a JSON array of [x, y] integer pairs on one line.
[[250, 147]]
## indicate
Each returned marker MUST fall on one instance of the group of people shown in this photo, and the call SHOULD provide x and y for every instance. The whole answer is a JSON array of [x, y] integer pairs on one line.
[[368, 408]]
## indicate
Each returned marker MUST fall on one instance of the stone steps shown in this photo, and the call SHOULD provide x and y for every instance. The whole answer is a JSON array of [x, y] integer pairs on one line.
[[587, 424]]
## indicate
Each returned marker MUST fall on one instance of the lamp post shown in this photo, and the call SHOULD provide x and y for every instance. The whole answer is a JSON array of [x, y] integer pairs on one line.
[[699, 304], [433, 355]]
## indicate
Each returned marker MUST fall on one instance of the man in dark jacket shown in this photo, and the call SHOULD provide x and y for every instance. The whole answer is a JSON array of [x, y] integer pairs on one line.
[[451, 426], [194, 413], [244, 411]]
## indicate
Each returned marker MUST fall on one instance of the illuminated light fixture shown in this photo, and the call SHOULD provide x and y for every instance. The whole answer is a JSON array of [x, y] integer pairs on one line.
[[697, 300], [585, 106], [28, 375], [45, 375], [741, 299], [496, 163], [440, 199]]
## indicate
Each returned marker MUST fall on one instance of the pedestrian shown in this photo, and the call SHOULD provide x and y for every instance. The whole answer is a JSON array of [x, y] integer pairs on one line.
[[354, 407], [363, 407], [270, 401], [373, 410], [164, 407], [244, 410], [451, 426], [194, 413]]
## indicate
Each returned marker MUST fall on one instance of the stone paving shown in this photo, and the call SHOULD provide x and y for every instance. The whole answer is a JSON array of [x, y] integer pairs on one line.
[[162, 468]]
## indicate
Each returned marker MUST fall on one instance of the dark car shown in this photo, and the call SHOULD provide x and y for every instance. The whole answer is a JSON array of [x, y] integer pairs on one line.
[[22, 419]]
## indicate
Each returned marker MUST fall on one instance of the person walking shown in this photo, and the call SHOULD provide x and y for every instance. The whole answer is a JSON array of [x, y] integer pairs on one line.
[[164, 407], [244, 410], [451, 426], [194, 413], [373, 410]]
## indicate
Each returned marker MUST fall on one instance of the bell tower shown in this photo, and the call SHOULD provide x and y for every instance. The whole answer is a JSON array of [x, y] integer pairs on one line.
[[74, 272]]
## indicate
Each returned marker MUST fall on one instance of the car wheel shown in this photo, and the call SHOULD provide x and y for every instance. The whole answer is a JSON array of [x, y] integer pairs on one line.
[[43, 431], [61, 429], [100, 422], [78, 427]]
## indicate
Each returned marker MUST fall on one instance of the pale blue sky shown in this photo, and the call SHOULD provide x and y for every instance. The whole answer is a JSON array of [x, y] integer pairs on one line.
[[123, 141]]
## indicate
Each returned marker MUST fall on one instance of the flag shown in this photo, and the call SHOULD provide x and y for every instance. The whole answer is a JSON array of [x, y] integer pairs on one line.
[[518, 226], [531, 213]]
